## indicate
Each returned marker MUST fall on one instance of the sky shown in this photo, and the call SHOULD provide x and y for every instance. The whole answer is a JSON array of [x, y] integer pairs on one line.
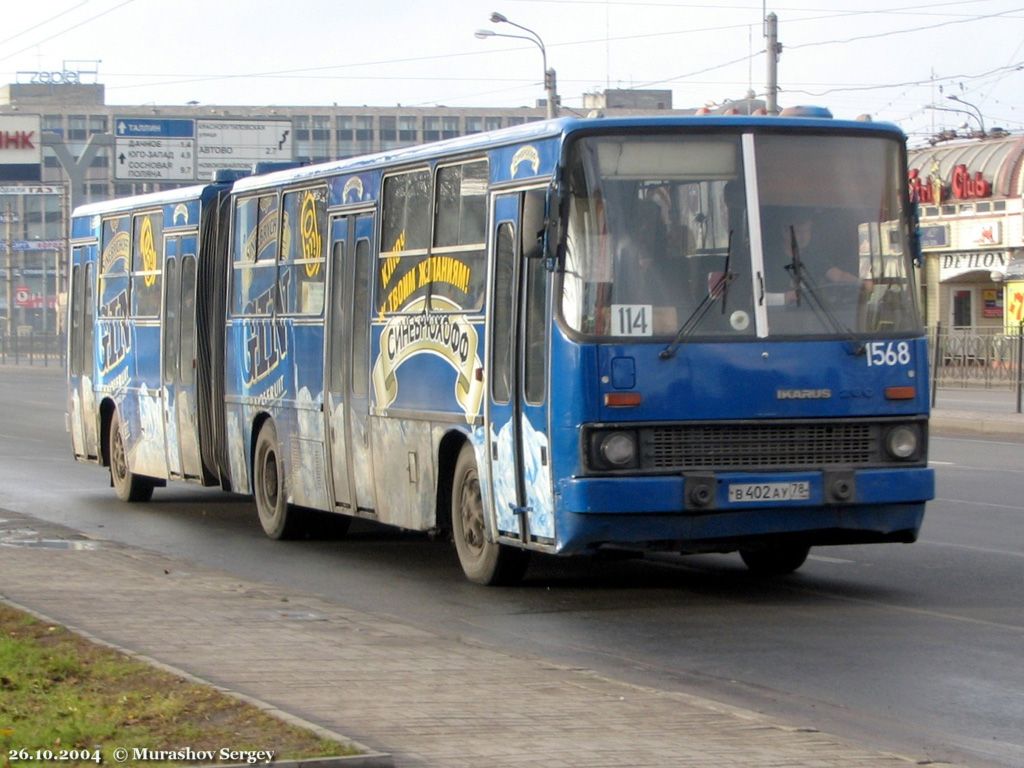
[[896, 60]]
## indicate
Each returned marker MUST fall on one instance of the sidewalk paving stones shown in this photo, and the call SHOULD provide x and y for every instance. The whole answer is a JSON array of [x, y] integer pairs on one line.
[[420, 698]]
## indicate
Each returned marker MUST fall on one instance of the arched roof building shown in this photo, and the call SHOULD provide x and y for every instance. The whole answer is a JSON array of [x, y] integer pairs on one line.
[[970, 195]]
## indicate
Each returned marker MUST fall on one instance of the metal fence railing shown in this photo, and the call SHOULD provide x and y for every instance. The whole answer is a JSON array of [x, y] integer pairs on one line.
[[976, 357], [33, 348]]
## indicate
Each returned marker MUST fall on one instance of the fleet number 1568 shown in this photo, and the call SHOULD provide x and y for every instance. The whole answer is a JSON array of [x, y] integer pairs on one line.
[[888, 353]]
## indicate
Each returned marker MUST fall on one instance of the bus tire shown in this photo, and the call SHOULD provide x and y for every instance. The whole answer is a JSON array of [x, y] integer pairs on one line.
[[775, 561], [127, 485], [483, 562], [277, 517]]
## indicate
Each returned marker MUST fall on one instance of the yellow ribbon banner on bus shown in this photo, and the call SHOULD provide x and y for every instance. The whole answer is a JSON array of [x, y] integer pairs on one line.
[[448, 336]]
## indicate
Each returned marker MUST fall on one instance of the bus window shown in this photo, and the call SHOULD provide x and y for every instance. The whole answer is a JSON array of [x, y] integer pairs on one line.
[[405, 240], [503, 317], [76, 358], [535, 332], [171, 327], [254, 256], [361, 319], [116, 245], [146, 258], [88, 321], [188, 317], [300, 289], [335, 322], [457, 261]]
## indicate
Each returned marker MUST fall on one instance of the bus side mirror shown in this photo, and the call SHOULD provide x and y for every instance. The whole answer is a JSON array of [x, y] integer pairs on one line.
[[534, 223]]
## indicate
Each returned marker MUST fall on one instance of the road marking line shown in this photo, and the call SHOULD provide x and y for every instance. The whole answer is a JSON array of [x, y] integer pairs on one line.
[[986, 550], [1014, 507], [826, 559]]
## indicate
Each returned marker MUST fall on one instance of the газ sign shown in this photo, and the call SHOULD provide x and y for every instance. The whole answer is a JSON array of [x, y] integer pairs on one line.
[[21, 150]]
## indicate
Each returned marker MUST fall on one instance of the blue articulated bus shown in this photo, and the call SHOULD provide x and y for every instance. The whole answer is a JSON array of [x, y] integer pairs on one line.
[[691, 334], [143, 301]]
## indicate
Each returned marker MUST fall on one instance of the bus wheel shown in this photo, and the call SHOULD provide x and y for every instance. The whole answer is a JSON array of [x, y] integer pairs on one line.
[[483, 561], [777, 561], [276, 515], [127, 485]]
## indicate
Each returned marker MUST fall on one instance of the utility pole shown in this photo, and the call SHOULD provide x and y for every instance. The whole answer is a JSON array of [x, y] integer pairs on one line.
[[8, 218], [773, 50]]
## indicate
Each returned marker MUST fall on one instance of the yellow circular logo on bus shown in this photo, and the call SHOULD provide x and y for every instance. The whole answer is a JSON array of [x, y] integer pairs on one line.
[[147, 249], [312, 243]]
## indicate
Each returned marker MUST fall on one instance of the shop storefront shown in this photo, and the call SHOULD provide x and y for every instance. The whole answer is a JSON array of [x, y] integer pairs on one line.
[[970, 197]]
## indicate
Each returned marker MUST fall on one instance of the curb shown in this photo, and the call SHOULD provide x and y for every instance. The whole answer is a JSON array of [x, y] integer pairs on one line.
[[369, 758], [994, 424]]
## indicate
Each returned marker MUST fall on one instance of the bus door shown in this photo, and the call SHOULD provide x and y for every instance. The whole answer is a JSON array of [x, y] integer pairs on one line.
[[179, 358], [82, 415], [347, 364], [517, 412]]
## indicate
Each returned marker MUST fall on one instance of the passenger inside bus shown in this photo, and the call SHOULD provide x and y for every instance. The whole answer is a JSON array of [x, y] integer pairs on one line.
[[646, 272]]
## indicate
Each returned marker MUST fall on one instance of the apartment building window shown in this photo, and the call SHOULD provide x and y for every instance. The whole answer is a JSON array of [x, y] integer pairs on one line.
[[97, 124], [388, 129], [52, 212], [304, 148], [449, 127], [514, 121], [77, 128], [98, 191], [364, 132], [34, 217], [319, 148], [407, 133], [344, 128], [474, 125], [431, 128], [492, 123], [322, 129], [388, 132], [52, 124]]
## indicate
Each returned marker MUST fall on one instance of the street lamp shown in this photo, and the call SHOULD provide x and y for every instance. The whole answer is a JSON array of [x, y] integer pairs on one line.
[[549, 74], [977, 112]]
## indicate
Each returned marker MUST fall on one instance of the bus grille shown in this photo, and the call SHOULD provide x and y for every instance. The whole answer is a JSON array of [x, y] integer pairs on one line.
[[745, 446]]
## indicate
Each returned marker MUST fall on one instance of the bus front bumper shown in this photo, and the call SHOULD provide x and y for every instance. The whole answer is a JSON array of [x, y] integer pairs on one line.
[[719, 512]]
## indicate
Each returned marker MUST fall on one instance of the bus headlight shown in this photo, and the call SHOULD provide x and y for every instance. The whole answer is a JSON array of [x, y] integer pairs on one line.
[[614, 450], [902, 442]]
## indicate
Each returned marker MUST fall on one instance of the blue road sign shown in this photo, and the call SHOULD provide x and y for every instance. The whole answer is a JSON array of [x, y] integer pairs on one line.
[[154, 128]]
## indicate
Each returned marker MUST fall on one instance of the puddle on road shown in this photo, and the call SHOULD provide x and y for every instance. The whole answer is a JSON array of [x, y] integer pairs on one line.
[[28, 538], [50, 544]]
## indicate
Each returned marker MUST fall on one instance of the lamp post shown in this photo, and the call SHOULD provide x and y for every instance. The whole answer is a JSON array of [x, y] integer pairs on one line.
[[976, 113], [549, 74]]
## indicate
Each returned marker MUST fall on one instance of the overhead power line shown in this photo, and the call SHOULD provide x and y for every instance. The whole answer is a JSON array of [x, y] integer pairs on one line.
[[66, 29]]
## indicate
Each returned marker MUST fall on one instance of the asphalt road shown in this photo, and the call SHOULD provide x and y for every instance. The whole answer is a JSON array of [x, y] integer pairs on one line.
[[917, 648]]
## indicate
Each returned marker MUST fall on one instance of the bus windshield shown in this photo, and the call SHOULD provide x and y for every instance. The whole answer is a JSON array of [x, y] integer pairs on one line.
[[730, 237]]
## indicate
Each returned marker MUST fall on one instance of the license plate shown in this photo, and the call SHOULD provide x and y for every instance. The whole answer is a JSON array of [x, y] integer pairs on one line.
[[798, 490]]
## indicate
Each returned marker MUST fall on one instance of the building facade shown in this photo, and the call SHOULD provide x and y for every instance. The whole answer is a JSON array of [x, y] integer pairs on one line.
[[971, 204]]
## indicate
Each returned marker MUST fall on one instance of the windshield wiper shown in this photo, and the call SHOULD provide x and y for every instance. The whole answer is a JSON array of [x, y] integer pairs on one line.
[[719, 289], [801, 280]]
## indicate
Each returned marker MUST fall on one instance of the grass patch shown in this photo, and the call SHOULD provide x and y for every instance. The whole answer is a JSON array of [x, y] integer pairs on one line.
[[58, 691]]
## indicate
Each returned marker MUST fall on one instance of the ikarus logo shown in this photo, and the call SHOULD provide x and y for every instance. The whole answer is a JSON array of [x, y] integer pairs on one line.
[[803, 394]]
